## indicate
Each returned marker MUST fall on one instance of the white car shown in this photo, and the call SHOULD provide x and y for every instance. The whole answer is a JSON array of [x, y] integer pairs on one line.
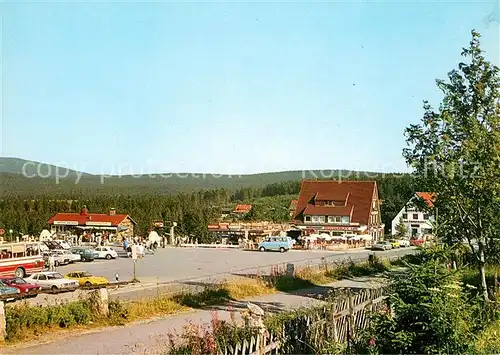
[[52, 281], [72, 257], [106, 253], [64, 244], [404, 243]]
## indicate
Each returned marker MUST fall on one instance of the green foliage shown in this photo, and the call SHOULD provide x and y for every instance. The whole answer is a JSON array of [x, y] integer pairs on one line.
[[432, 313], [455, 153], [401, 230]]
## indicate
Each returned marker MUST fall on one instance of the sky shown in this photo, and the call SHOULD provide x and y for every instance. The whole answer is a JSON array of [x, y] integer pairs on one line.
[[226, 87]]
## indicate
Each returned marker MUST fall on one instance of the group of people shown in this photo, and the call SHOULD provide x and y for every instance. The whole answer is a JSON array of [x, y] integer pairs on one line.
[[142, 246]]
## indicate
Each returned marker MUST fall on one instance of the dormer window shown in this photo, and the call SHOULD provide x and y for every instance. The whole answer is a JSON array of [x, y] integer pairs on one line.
[[329, 203]]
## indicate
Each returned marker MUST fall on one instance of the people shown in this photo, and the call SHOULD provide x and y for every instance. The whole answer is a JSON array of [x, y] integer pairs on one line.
[[52, 263]]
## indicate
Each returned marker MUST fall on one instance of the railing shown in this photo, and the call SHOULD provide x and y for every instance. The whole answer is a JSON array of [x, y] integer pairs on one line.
[[337, 322]]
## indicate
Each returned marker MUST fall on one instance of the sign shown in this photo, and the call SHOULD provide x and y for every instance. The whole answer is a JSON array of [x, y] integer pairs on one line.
[[158, 224], [66, 223], [135, 252], [90, 223], [2, 231]]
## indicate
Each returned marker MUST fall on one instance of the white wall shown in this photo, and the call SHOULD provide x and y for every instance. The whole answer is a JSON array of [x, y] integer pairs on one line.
[[409, 221]]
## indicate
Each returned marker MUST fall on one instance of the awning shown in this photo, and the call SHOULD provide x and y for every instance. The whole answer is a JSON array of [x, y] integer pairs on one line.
[[97, 227]]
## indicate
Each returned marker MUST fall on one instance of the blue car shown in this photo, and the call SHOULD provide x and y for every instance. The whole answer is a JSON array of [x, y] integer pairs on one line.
[[6, 291], [280, 244]]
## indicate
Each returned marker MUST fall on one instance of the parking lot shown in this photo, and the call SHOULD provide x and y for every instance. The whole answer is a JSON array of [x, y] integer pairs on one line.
[[175, 264]]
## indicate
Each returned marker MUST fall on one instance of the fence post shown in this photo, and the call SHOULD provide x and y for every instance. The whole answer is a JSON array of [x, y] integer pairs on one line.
[[334, 325], [3, 322], [102, 301], [352, 321]]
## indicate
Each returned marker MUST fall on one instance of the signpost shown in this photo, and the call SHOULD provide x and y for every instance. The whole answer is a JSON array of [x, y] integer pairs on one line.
[[135, 252]]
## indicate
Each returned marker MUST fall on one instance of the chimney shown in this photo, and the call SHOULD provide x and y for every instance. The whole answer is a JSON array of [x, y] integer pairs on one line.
[[84, 211], [112, 212]]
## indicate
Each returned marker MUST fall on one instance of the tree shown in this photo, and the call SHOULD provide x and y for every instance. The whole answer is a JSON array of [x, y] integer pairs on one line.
[[455, 150], [401, 229]]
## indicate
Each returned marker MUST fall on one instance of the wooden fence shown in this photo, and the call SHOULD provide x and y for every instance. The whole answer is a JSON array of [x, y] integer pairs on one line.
[[336, 322]]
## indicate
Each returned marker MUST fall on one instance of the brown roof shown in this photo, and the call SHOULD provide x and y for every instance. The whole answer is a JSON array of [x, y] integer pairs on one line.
[[359, 196], [242, 208], [428, 197]]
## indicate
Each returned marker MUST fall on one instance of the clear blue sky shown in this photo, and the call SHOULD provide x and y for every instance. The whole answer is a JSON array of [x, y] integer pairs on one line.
[[226, 87]]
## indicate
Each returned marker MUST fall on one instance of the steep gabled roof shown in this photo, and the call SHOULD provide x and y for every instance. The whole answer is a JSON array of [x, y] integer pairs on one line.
[[359, 196], [428, 197]]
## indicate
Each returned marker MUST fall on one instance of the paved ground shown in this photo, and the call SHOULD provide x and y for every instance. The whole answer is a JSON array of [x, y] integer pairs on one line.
[[174, 269], [174, 264], [151, 337]]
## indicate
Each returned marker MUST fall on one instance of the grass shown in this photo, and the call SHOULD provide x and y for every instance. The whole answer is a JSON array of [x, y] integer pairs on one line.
[[25, 322], [488, 341]]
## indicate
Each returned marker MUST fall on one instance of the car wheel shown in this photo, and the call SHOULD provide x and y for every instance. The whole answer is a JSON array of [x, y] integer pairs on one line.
[[262, 249], [108, 256], [84, 260], [88, 284], [20, 272], [56, 263], [54, 289], [282, 250]]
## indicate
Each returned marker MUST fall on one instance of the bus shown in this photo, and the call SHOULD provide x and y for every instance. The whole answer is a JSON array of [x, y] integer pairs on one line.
[[20, 259]]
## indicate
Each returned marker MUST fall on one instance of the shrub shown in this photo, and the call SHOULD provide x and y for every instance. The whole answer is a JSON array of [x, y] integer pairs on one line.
[[431, 313]]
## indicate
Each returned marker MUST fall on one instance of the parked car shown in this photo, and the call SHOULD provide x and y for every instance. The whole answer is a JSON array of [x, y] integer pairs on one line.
[[84, 278], [86, 254], [52, 281], [395, 243], [67, 253], [417, 242], [404, 243], [25, 288], [106, 253], [385, 245], [59, 259], [277, 243], [64, 244], [8, 293]]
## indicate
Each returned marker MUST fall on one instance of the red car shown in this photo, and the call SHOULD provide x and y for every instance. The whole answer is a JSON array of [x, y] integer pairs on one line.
[[26, 289]]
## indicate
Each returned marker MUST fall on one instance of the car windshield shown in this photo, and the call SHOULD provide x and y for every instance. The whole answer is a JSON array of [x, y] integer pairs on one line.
[[18, 281], [86, 274], [55, 276]]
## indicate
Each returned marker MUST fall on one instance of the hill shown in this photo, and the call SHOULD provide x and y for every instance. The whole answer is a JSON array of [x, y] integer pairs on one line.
[[23, 177]]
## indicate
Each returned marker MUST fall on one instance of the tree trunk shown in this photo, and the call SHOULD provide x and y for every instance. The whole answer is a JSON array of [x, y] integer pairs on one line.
[[482, 269]]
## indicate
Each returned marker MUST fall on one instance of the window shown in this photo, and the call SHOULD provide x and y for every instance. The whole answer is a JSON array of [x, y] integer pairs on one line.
[[426, 216], [307, 219], [331, 219], [321, 219], [338, 219], [405, 215], [345, 220], [42, 277], [315, 219], [415, 216]]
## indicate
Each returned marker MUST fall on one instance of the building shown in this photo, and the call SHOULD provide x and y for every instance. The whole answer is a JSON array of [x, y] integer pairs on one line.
[[339, 208], [241, 210], [119, 225], [416, 218], [293, 207]]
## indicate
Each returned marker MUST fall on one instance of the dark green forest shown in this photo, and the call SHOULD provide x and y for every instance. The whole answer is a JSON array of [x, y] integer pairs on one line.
[[26, 210]]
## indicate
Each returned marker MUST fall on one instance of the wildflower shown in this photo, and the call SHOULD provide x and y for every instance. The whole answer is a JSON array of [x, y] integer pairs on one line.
[[454, 286], [434, 289], [471, 287], [372, 341]]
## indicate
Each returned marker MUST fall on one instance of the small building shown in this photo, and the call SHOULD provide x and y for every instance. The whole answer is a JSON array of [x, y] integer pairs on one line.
[[415, 215], [118, 225], [241, 210], [339, 208]]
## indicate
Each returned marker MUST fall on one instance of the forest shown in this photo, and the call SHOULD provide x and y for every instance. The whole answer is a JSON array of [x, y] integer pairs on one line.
[[193, 211]]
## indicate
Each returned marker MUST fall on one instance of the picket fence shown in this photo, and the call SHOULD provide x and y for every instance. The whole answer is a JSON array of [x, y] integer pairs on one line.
[[338, 321]]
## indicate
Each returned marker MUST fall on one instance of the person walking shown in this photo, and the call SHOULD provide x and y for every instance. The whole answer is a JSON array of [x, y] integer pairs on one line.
[[52, 263]]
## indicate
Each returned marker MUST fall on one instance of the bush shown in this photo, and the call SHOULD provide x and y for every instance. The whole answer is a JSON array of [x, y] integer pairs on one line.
[[23, 318], [433, 312]]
